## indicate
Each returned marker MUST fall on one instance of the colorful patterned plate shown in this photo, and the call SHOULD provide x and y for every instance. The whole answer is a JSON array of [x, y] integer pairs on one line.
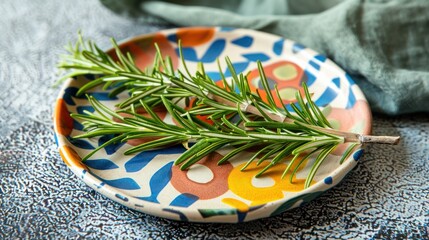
[[150, 183]]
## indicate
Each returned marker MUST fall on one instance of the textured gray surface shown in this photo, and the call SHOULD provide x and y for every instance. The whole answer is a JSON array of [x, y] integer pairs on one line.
[[386, 196]]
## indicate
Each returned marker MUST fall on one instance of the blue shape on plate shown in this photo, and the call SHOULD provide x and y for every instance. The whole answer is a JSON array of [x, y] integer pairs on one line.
[[350, 80], [310, 78], [352, 99], [256, 56], [314, 65], [337, 81], [245, 41], [241, 216], [297, 47], [289, 108], [304, 78], [215, 76], [80, 143], [278, 47], [56, 139], [81, 109], [123, 198], [138, 162], [123, 183], [158, 181], [77, 125], [89, 76], [101, 164], [211, 54], [189, 54], [184, 200], [239, 67], [328, 180], [327, 96], [358, 154], [181, 215], [320, 57], [111, 148], [172, 37], [70, 93], [83, 174], [100, 185], [102, 96]]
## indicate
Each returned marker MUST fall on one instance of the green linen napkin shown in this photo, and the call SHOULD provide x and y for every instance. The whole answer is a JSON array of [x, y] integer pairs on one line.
[[383, 45]]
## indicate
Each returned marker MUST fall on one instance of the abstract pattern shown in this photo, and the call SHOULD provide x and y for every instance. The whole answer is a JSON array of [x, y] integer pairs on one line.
[[149, 181]]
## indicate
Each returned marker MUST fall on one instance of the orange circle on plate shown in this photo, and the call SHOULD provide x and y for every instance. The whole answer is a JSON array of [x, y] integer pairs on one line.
[[214, 188]]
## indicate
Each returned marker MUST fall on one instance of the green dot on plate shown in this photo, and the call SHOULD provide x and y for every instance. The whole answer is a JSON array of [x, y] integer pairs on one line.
[[285, 72], [288, 93]]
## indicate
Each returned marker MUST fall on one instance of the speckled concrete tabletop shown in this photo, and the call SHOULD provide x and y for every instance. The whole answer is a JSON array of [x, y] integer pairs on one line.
[[386, 196]]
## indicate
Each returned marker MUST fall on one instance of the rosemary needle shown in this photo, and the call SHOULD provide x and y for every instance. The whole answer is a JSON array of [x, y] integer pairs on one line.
[[241, 119]]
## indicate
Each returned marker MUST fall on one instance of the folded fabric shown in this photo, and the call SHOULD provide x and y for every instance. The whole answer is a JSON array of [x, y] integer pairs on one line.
[[383, 45]]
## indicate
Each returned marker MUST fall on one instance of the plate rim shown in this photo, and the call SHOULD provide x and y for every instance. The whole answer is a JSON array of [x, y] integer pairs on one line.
[[155, 209]]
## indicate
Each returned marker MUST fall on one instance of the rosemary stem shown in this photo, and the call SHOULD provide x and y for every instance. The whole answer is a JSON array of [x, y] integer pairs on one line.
[[379, 139], [348, 136], [249, 109]]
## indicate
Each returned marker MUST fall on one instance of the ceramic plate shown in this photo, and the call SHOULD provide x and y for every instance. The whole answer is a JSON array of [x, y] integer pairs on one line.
[[150, 183]]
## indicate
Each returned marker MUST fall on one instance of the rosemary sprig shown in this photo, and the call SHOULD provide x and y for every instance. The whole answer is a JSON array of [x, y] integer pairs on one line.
[[240, 118]]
